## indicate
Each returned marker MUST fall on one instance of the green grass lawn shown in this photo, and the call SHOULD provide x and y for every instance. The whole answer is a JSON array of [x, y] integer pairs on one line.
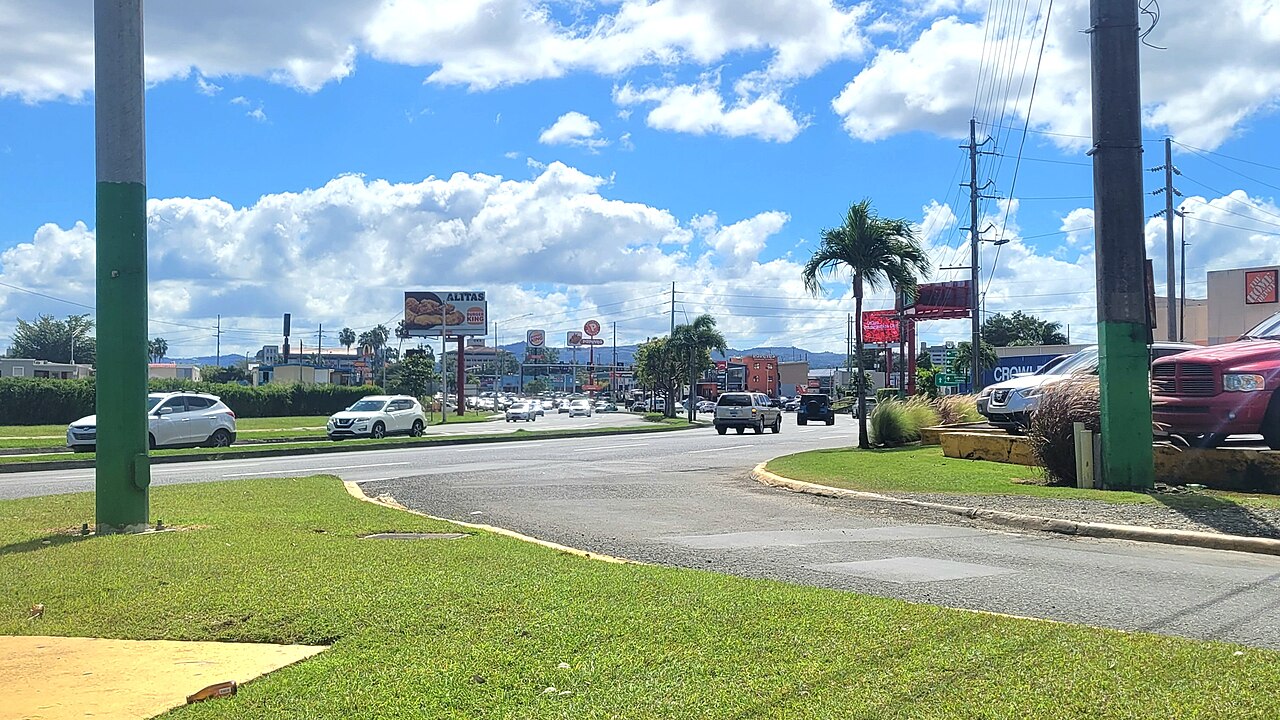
[[926, 469], [358, 443], [478, 627]]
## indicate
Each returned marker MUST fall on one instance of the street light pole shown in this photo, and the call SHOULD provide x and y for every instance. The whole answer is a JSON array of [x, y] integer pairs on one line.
[[1182, 296]]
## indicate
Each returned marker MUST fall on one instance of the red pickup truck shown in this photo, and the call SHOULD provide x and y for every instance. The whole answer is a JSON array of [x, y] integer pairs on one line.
[[1233, 389]]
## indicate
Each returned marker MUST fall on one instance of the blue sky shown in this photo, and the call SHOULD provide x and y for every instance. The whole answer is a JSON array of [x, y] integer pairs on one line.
[[584, 157]]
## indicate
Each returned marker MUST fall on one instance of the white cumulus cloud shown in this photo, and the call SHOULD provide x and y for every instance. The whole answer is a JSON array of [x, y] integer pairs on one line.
[[573, 128]]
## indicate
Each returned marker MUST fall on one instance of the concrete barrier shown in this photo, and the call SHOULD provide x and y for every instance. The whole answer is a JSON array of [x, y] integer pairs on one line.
[[933, 435], [995, 447]]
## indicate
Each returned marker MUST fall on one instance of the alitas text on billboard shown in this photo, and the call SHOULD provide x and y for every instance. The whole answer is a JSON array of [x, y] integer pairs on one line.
[[453, 313]]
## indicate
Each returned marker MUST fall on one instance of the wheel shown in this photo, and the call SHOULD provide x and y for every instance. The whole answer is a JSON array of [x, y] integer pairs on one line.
[[416, 430], [722, 429], [151, 441], [831, 421], [740, 430], [802, 421], [219, 438], [379, 431], [1271, 423], [760, 426], [777, 425]]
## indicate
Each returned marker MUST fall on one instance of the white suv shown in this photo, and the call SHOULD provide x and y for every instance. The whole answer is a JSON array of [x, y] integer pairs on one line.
[[378, 416], [742, 410], [174, 419]]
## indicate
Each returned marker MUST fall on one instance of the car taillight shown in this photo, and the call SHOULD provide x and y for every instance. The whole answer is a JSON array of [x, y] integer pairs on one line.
[[232, 414]]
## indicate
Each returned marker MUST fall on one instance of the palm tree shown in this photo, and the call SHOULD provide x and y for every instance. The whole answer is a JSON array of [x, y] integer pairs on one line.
[[695, 341], [876, 251], [157, 349], [347, 338]]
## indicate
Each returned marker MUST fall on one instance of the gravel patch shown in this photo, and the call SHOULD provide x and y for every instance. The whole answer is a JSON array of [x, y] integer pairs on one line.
[[1225, 518]]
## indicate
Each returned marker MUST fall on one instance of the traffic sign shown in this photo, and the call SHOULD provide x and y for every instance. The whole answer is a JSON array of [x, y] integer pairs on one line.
[[948, 380], [591, 328]]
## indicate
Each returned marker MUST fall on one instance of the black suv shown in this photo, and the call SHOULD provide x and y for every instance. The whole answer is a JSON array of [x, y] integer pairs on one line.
[[815, 407]]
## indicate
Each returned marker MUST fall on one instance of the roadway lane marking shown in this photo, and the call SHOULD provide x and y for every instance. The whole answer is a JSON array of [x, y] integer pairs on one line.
[[490, 446], [612, 447], [718, 449], [314, 470]]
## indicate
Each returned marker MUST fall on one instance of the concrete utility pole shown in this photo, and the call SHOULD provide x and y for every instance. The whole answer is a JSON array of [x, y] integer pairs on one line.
[[1171, 317], [975, 237], [123, 470], [1127, 460], [673, 308]]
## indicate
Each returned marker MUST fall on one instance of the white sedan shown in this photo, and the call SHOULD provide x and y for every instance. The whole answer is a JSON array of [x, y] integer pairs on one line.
[[521, 411], [580, 407]]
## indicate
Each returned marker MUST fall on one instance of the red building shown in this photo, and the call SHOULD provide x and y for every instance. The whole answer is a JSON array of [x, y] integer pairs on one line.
[[762, 373]]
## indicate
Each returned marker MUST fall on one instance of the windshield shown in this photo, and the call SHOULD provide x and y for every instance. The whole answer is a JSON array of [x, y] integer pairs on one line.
[[368, 406], [1268, 329], [1085, 361]]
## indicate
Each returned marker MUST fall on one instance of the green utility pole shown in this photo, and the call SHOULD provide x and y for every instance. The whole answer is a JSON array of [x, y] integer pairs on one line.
[[123, 471], [1127, 461]]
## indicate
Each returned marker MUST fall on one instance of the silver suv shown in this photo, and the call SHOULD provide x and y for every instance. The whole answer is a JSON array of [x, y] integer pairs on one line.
[[742, 410], [175, 419]]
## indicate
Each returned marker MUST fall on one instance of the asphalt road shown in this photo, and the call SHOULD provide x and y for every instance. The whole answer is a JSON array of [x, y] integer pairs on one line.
[[684, 499]]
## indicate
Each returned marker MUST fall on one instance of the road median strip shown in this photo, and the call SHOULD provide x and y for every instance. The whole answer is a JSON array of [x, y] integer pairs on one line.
[[1213, 541], [322, 447]]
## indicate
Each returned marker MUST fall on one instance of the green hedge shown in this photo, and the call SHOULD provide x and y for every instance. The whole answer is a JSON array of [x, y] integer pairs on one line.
[[31, 401]]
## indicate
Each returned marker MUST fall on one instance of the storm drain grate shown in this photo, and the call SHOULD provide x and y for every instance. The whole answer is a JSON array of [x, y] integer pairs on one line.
[[415, 536]]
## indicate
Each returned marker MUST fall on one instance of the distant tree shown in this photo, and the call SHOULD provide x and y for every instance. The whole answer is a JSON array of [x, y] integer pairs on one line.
[[1021, 329], [543, 354], [658, 367], [52, 340], [986, 356], [537, 386], [415, 375], [693, 344], [157, 348], [347, 337], [224, 374]]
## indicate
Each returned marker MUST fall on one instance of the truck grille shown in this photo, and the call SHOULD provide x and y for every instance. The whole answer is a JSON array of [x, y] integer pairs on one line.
[[1184, 379]]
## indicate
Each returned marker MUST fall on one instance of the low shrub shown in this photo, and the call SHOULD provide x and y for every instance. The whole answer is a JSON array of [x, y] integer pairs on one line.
[[36, 401], [1051, 433], [956, 409], [654, 417]]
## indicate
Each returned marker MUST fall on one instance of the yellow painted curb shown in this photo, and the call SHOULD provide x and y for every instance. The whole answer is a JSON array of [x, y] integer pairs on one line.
[[353, 488], [1137, 533]]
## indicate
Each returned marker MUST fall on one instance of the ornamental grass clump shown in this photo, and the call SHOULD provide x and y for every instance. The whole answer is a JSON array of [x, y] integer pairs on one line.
[[1052, 430], [957, 409], [894, 422], [922, 414]]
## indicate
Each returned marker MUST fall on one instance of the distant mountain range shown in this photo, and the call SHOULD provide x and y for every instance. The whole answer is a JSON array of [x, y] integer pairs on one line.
[[626, 355]]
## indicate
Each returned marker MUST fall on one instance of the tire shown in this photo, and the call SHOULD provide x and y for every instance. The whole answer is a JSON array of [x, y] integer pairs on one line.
[[802, 421], [722, 429], [740, 430], [151, 441], [760, 426], [777, 425], [378, 432], [219, 438], [1207, 441], [1270, 429], [831, 421], [416, 430]]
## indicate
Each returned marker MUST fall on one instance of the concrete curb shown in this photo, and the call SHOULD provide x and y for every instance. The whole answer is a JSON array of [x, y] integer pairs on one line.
[[345, 448], [1137, 533], [354, 489]]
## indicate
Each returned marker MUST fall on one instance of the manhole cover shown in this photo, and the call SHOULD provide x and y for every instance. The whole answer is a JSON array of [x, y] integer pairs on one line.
[[415, 536]]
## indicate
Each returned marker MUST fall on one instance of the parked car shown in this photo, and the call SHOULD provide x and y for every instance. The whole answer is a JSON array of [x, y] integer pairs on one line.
[[706, 406], [521, 411], [742, 410], [1009, 404], [579, 408], [174, 419], [377, 416], [869, 401], [1207, 394], [815, 407]]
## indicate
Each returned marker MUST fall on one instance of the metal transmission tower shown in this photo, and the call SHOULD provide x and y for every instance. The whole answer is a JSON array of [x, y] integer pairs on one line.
[[1169, 191]]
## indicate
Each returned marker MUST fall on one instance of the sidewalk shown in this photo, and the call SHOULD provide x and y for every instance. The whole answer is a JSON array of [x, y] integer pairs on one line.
[[1210, 524]]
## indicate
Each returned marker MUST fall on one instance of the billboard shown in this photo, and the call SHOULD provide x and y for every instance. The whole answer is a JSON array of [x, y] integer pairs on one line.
[[535, 338], [456, 313], [880, 326], [942, 301]]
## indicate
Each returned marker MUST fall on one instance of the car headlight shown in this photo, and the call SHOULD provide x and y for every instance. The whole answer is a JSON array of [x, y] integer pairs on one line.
[[1031, 391], [986, 392], [1243, 382]]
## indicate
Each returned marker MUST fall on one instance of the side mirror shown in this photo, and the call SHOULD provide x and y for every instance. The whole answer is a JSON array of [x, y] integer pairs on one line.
[[164, 411]]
